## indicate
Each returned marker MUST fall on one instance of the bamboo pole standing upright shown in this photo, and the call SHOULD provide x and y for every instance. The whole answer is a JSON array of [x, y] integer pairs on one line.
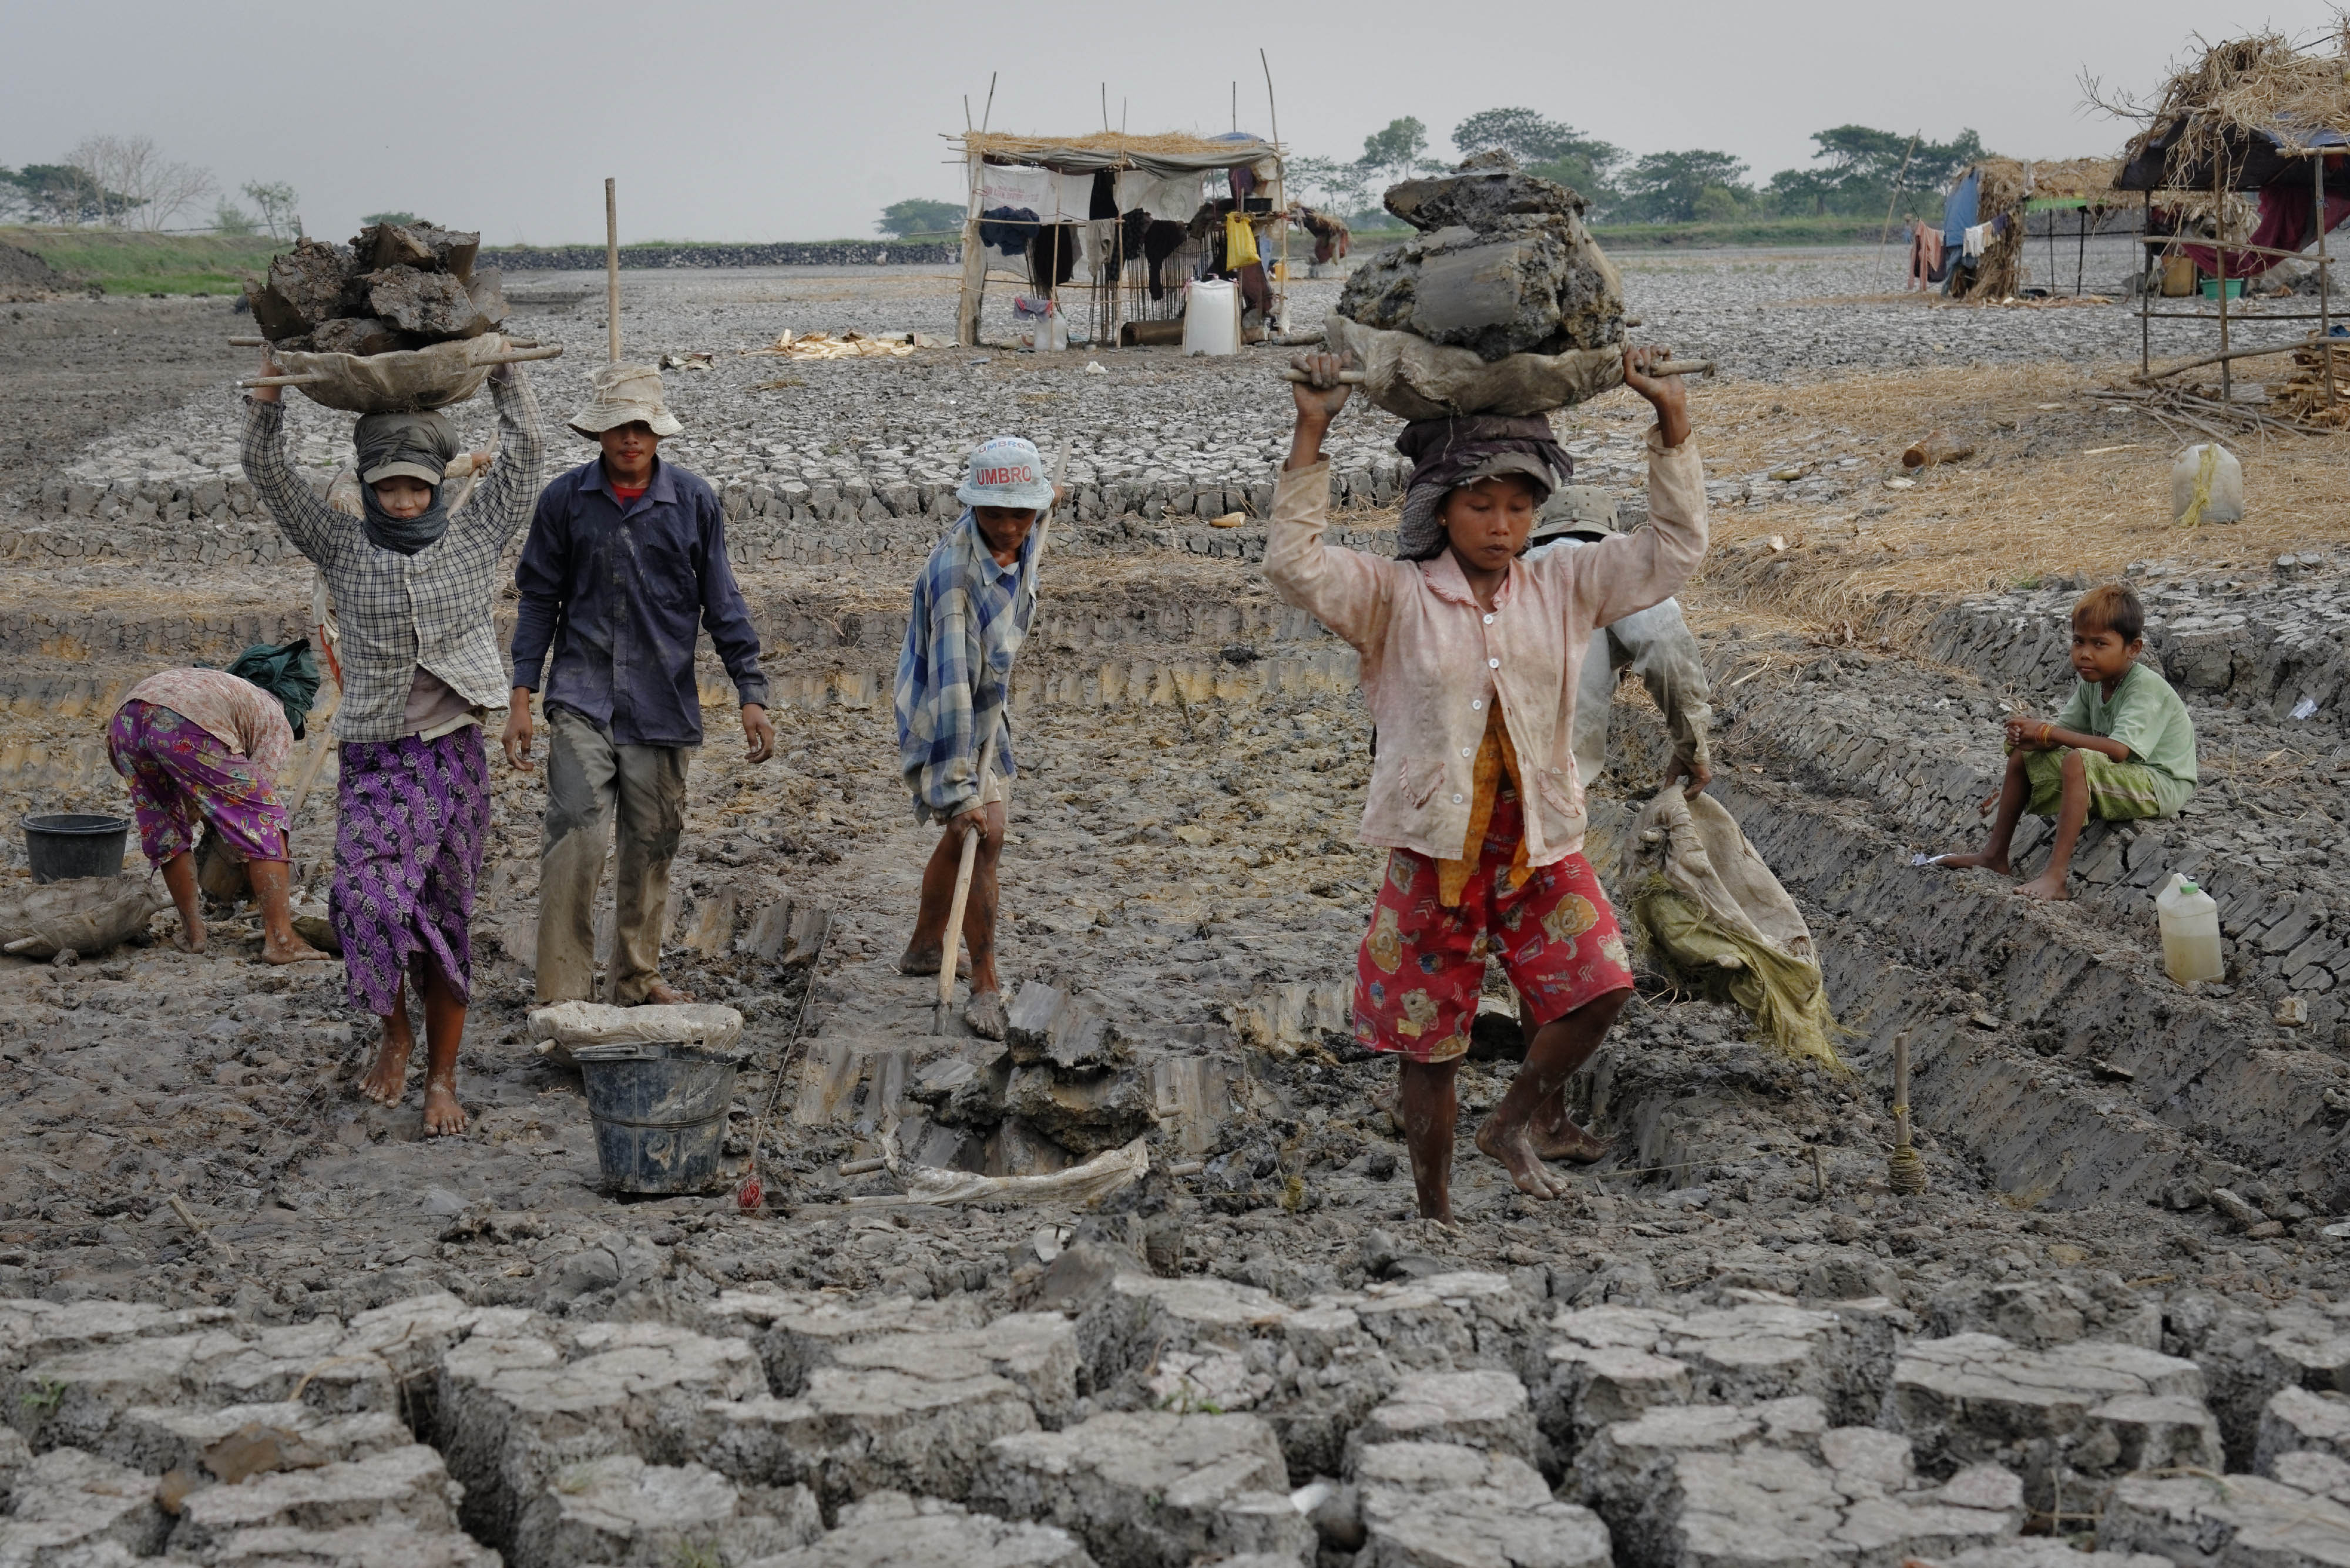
[[611, 273], [1281, 176], [2324, 275]]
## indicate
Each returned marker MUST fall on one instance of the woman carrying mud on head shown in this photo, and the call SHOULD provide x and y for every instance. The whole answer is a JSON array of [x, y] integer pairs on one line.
[[1471, 658], [415, 582]]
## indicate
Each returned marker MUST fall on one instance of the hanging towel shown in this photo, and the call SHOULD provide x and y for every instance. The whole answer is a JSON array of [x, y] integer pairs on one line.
[[1977, 236], [1170, 200], [1001, 185]]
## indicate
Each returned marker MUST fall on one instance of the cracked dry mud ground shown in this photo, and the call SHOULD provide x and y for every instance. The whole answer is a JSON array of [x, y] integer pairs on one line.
[[425, 1352]]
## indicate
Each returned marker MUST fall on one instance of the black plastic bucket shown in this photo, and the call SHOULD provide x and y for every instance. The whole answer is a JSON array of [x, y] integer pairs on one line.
[[64, 845], [659, 1113]]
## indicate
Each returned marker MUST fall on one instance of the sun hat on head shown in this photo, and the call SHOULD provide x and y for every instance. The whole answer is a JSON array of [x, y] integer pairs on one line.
[[1007, 472], [622, 395], [1575, 512]]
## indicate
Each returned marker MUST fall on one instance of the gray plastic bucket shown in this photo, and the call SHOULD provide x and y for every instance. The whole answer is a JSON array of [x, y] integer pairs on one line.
[[659, 1112], [61, 846]]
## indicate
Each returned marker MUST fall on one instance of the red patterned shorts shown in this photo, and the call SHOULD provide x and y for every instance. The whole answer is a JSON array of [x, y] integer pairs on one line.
[[1422, 965]]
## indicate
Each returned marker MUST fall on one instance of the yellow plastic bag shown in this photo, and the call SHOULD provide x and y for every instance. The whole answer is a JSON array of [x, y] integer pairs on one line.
[[1239, 242]]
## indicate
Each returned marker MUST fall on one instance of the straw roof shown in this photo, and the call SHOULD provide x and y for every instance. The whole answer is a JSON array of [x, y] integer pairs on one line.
[[1007, 144], [2072, 179], [2260, 88]]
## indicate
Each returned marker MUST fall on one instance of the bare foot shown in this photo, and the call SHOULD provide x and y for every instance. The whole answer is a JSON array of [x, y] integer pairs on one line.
[[926, 962], [294, 950], [191, 939], [1565, 1140], [2048, 885], [1516, 1149], [1987, 860], [659, 993], [386, 1082], [443, 1117], [984, 1016]]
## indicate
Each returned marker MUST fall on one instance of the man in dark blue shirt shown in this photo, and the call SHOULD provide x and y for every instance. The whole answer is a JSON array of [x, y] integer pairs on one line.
[[625, 564]]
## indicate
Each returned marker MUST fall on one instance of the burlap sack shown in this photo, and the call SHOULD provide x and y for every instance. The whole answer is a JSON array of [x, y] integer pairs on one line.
[[88, 914], [408, 381], [1415, 379]]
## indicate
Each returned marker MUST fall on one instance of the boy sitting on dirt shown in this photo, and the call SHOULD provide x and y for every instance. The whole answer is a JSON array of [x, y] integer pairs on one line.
[[972, 607], [2123, 746], [1471, 659]]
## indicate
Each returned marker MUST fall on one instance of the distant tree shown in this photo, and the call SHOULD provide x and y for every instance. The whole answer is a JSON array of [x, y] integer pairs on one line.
[[1550, 147], [1326, 183], [1857, 169], [276, 203], [228, 218], [394, 219], [917, 217], [1718, 204], [1398, 152], [139, 187], [1664, 187], [59, 193]]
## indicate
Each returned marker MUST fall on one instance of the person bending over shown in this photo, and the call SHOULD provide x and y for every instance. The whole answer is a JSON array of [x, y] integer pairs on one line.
[[2123, 747], [414, 583], [205, 745], [1470, 661]]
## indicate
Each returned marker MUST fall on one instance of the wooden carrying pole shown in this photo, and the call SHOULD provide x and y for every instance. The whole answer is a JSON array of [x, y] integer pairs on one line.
[[1905, 1172], [611, 273]]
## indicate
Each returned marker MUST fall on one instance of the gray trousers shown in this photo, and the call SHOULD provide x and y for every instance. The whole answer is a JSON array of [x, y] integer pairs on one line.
[[589, 782]]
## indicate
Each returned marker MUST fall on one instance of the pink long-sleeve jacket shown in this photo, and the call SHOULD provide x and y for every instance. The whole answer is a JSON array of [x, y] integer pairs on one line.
[[1433, 660]]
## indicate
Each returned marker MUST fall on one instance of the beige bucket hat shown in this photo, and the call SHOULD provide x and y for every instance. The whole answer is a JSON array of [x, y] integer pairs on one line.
[[624, 394]]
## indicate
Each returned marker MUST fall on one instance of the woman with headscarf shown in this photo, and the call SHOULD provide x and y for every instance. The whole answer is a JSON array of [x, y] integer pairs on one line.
[[204, 747], [414, 583], [1470, 664]]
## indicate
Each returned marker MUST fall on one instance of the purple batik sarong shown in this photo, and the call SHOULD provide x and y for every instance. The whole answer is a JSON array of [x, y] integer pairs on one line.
[[181, 773], [411, 823]]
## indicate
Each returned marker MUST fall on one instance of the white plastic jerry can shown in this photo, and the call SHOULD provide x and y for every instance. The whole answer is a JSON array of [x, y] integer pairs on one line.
[[2189, 919]]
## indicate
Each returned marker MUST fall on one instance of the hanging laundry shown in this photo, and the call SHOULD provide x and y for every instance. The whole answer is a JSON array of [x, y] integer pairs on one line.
[[1007, 229], [1173, 199], [1003, 185], [1102, 203], [1160, 241], [1977, 236]]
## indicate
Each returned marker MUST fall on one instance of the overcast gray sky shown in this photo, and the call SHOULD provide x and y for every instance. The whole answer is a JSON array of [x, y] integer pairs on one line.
[[802, 121]]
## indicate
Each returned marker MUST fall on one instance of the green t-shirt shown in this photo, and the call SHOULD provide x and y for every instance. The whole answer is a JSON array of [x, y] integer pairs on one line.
[[2146, 716]]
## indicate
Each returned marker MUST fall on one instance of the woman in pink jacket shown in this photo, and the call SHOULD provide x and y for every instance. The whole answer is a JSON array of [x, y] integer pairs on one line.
[[1469, 662]]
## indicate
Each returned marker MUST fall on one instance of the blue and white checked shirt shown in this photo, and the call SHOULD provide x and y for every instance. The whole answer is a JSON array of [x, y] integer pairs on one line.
[[969, 618]]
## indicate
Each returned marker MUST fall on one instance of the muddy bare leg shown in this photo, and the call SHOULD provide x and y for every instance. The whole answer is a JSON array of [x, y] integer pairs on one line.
[[1556, 1134], [2072, 812], [1558, 1048], [2014, 790], [386, 1080], [444, 1029], [1429, 1107], [925, 950], [272, 885], [180, 877]]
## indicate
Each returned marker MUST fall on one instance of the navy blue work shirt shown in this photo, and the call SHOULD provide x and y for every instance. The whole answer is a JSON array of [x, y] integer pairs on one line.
[[619, 593]]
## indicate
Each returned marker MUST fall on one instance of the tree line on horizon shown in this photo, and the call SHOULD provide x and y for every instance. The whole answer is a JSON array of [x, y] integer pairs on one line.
[[1857, 170]]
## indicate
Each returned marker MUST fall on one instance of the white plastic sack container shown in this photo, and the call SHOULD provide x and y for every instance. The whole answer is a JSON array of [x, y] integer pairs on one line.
[[2207, 485], [1211, 317]]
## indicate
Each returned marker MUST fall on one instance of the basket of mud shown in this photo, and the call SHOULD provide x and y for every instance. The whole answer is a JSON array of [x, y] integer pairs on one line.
[[398, 321], [401, 380]]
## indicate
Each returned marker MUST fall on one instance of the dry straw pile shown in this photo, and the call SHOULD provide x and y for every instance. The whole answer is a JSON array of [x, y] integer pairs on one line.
[[2262, 83]]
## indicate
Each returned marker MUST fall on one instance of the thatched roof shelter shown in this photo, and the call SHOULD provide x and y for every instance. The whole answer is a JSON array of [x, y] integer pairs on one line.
[[2248, 114]]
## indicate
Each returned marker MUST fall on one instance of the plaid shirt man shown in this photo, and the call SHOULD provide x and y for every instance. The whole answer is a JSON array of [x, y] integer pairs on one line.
[[969, 618], [399, 612]]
